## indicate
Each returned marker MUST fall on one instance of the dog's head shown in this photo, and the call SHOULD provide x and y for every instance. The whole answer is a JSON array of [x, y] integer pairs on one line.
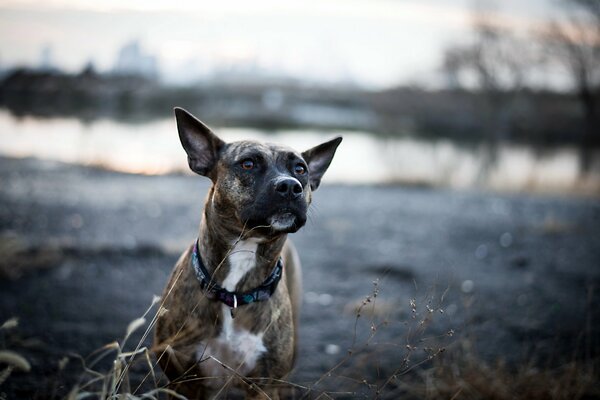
[[262, 188]]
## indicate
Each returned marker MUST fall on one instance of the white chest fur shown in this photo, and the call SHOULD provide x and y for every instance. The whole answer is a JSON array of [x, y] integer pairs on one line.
[[238, 348], [242, 259]]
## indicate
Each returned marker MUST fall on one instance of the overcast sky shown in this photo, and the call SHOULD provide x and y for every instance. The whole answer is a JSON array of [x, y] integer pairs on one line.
[[373, 43]]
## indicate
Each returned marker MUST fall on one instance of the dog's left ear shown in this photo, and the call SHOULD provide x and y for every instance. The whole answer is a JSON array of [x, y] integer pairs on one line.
[[318, 159]]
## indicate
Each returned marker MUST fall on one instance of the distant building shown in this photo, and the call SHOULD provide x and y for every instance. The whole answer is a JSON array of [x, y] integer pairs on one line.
[[132, 60], [46, 62]]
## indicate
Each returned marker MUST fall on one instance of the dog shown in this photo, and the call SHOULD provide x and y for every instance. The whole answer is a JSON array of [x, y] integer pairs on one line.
[[229, 315]]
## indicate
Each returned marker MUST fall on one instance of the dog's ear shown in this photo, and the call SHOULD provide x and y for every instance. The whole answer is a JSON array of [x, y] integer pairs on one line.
[[201, 145], [318, 159]]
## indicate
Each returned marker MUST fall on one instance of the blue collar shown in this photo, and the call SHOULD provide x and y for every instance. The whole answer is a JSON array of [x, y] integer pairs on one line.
[[233, 299]]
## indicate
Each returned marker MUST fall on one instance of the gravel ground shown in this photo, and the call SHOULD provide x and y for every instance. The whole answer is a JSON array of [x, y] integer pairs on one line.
[[85, 250]]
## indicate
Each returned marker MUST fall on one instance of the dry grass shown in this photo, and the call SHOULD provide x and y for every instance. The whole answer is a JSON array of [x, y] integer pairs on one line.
[[19, 256], [415, 366], [460, 374], [115, 383], [9, 359]]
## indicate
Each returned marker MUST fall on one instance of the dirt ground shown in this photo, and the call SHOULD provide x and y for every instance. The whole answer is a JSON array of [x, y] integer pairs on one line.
[[514, 277]]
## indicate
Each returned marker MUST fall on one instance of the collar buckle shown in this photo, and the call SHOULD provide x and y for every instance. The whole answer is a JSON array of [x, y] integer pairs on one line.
[[235, 304]]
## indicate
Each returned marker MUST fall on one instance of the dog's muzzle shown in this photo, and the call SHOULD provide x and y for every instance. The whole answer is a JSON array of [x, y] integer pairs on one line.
[[288, 217], [279, 208]]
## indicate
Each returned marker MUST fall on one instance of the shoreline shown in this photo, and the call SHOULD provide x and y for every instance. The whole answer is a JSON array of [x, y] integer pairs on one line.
[[586, 192]]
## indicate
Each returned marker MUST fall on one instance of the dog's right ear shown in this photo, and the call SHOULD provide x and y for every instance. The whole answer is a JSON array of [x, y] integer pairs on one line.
[[200, 143]]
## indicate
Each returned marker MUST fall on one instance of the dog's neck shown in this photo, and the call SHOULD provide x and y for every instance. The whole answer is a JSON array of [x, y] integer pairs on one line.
[[236, 260]]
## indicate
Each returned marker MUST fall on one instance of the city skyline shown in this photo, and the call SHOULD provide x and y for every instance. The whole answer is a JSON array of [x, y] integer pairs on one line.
[[369, 44]]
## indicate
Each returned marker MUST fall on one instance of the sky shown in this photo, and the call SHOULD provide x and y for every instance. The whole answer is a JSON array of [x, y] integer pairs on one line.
[[370, 43]]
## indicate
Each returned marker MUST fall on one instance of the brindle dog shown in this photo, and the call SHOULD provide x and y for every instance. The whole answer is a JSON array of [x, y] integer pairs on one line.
[[213, 336]]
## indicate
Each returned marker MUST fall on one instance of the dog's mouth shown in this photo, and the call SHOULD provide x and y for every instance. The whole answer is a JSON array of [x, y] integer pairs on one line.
[[284, 221]]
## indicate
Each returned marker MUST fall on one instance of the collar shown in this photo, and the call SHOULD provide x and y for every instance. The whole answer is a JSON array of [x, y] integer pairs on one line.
[[234, 299]]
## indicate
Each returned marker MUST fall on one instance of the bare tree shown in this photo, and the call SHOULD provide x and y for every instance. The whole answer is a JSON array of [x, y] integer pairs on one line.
[[496, 63], [574, 42]]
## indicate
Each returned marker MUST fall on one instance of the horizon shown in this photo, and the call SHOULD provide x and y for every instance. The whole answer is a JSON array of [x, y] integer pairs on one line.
[[365, 44]]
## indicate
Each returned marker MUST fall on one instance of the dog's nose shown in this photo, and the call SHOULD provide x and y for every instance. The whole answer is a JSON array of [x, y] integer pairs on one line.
[[288, 187]]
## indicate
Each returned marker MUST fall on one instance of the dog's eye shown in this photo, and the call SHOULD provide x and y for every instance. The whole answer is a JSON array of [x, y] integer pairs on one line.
[[300, 169], [247, 164]]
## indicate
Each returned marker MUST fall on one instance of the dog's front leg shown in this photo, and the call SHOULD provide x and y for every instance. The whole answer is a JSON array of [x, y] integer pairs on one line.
[[262, 393], [182, 371]]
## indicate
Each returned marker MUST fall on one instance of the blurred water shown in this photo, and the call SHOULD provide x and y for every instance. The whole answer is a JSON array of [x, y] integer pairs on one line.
[[154, 148]]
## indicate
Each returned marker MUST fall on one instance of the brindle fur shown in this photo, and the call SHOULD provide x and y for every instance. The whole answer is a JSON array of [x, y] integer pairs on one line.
[[236, 208]]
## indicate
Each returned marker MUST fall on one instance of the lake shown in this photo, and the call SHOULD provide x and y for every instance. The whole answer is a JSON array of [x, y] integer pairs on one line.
[[363, 158]]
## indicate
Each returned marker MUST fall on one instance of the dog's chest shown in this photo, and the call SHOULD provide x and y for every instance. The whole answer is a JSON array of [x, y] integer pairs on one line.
[[235, 347]]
